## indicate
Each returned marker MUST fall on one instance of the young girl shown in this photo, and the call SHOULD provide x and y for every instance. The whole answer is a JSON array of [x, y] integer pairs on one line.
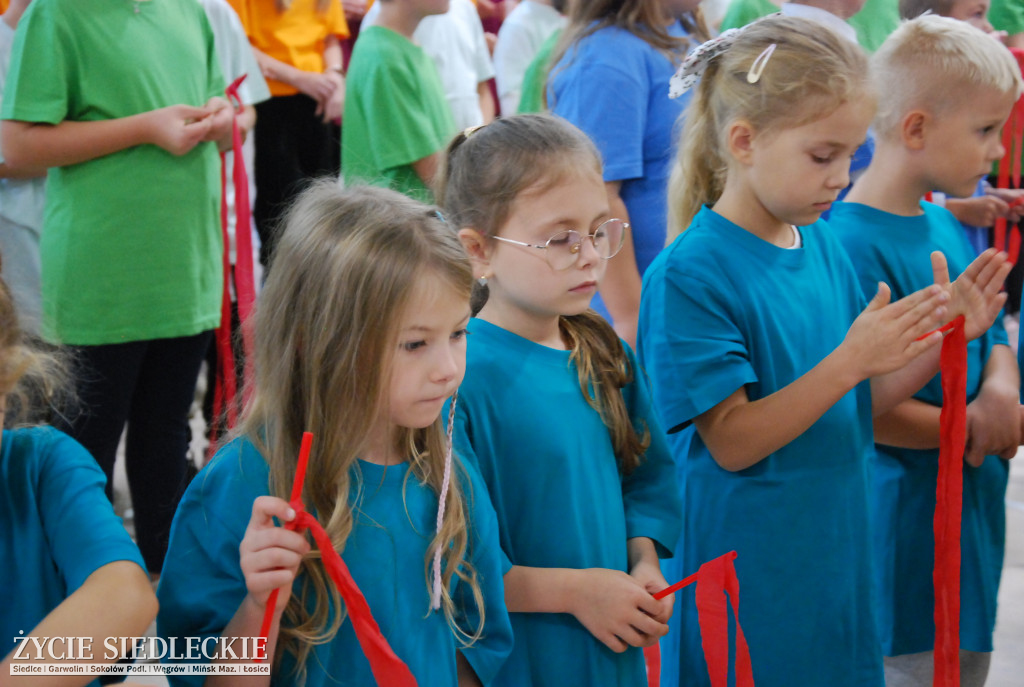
[[758, 373], [556, 412], [610, 74], [69, 567], [360, 339]]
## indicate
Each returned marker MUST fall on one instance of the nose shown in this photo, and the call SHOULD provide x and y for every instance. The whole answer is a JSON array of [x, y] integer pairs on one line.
[[587, 251], [999, 151], [450, 360], [839, 178]]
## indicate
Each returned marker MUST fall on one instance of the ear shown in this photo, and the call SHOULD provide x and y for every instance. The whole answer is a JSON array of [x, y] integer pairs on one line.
[[915, 128], [478, 248], [739, 141]]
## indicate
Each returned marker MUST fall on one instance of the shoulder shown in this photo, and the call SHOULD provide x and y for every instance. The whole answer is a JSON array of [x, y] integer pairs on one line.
[[226, 487], [36, 450]]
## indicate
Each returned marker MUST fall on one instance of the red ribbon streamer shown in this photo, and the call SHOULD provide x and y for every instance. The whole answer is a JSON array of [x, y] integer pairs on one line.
[[225, 391], [1010, 168], [388, 670], [949, 505], [715, 579]]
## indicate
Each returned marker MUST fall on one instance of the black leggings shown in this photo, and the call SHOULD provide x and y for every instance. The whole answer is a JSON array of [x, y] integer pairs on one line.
[[292, 146], [150, 385]]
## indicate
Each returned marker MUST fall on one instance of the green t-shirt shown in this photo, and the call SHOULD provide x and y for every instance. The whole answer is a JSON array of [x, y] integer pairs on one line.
[[395, 113], [131, 243], [1007, 15], [535, 78], [876, 20], [742, 12]]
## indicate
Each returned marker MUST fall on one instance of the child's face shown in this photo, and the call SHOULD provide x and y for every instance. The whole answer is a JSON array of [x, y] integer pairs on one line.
[[797, 173], [974, 12], [964, 142], [429, 357], [522, 278]]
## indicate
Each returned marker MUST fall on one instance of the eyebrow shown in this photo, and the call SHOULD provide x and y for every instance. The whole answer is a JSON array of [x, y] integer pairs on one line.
[[425, 328]]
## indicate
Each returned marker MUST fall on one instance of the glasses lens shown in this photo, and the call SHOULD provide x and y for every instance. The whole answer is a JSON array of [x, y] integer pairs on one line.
[[563, 248], [609, 237]]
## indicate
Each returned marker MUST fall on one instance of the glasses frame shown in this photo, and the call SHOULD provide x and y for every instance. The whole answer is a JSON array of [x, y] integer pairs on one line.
[[576, 247]]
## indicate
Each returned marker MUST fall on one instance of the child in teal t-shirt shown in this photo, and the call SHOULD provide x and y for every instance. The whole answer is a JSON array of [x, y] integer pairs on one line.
[[396, 116]]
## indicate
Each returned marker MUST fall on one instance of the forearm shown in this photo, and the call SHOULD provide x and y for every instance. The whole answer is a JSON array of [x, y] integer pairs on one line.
[[911, 424], [276, 70], [426, 169], [246, 624], [741, 433], [640, 550], [1001, 371], [334, 60], [246, 120], [889, 390], [483, 90], [29, 173], [539, 590], [115, 601], [30, 146]]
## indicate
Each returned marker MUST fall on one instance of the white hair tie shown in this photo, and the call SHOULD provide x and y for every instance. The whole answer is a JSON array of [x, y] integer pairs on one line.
[[692, 68]]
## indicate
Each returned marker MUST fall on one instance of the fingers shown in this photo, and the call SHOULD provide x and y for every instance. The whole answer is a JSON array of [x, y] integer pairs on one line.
[[266, 508], [922, 311], [881, 297], [940, 270]]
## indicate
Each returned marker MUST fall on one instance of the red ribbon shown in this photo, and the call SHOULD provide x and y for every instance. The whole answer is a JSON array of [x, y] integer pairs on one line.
[[949, 505], [1010, 167], [388, 670], [225, 391], [715, 579]]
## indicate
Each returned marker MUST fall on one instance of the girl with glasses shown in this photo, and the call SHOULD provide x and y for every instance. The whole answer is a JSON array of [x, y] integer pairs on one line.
[[554, 409]]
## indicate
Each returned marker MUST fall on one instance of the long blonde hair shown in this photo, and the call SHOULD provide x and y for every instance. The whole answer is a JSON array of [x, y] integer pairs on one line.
[[811, 72], [481, 176], [325, 324]]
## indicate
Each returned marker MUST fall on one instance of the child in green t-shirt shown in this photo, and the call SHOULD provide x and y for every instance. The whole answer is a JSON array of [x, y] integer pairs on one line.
[[397, 120]]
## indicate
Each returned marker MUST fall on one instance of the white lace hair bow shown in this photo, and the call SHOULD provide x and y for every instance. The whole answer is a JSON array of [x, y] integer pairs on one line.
[[692, 68]]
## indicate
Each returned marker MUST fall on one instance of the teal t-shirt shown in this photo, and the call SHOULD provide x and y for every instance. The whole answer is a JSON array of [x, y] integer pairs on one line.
[[721, 310], [875, 21], [131, 244], [547, 460], [394, 520], [742, 12], [395, 113], [535, 78], [897, 249], [56, 527]]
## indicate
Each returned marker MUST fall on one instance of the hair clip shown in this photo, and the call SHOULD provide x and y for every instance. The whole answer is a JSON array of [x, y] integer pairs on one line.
[[470, 130], [693, 67], [757, 68]]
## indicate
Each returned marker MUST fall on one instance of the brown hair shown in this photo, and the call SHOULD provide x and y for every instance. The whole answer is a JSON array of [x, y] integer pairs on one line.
[[910, 9], [482, 176], [325, 324], [811, 73]]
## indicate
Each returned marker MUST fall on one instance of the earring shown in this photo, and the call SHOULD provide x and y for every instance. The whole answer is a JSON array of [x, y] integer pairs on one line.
[[482, 281]]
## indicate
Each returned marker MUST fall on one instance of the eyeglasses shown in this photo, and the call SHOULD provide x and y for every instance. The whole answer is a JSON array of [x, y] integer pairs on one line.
[[563, 249]]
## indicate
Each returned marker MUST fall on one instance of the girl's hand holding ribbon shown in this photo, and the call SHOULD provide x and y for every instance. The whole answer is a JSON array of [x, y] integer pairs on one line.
[[616, 609], [270, 555]]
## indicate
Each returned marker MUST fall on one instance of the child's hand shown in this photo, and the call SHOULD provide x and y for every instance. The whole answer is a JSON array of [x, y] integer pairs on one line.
[[650, 578], [980, 211], [993, 424], [330, 110], [178, 128], [319, 87], [270, 555], [1014, 198], [884, 336], [976, 293], [222, 116], [616, 609]]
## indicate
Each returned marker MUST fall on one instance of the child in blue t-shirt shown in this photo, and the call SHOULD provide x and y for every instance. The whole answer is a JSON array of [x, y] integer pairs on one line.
[[67, 566], [360, 339], [556, 412], [609, 76], [924, 143], [765, 365]]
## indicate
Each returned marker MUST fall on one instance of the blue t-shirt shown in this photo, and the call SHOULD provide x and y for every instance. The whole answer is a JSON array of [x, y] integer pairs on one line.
[[547, 459], [723, 310], [56, 527], [394, 521], [614, 86], [896, 249]]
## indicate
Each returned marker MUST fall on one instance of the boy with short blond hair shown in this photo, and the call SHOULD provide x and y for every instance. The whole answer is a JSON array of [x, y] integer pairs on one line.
[[940, 130]]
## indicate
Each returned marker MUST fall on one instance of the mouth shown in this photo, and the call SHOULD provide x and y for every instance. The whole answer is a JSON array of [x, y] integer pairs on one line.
[[584, 287], [823, 206]]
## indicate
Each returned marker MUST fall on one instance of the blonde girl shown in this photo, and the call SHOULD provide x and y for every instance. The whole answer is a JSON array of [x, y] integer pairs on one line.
[[555, 411], [765, 364], [360, 339], [69, 568]]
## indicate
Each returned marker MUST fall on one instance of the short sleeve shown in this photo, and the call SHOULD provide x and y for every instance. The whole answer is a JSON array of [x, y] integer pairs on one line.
[[691, 346], [235, 53], [83, 532], [487, 655], [650, 496], [610, 106], [397, 119], [39, 83], [336, 24]]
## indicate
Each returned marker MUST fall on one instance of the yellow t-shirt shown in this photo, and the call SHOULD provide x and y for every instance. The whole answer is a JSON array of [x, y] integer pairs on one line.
[[295, 36]]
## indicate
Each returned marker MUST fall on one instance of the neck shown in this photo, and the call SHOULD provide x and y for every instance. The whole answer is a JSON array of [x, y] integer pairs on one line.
[[380, 446], [540, 328], [741, 207], [891, 183], [399, 20], [836, 7]]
